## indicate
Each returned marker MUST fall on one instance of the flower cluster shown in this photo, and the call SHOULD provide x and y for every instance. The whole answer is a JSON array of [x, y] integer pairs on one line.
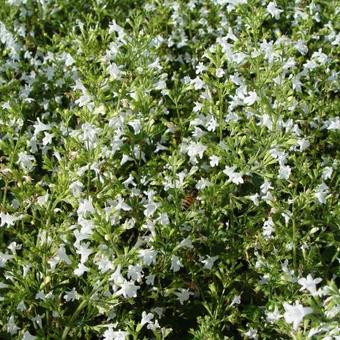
[[169, 168]]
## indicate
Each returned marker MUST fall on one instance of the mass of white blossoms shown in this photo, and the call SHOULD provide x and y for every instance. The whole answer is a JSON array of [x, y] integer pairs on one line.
[[169, 169]]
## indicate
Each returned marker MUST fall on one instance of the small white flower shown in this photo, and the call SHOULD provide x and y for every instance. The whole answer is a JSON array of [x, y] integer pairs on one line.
[[28, 336], [128, 289], [110, 334], [26, 161], [284, 172], [268, 228], [12, 328], [212, 124], [149, 280], [274, 315], [150, 208], [136, 125], [146, 318], [255, 199], [274, 11], [196, 149], [251, 98], [234, 177], [175, 263], [135, 273], [80, 270], [309, 284], [327, 172], [114, 71], [209, 261], [236, 300], [294, 314], [8, 220], [71, 295], [219, 73], [85, 207], [76, 188], [186, 243], [183, 295], [321, 193], [148, 256], [214, 160], [42, 200], [251, 334]]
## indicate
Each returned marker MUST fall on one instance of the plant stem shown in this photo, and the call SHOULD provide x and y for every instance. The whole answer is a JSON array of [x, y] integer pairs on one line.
[[294, 247]]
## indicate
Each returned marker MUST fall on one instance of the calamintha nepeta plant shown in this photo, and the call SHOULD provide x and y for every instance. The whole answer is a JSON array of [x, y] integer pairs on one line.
[[112, 113]]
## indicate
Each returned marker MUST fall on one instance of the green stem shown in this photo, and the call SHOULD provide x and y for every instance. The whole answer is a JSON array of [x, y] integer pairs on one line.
[[294, 247], [220, 118], [79, 308], [75, 314]]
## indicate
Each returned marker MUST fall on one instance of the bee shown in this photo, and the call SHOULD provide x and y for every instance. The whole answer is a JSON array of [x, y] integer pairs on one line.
[[189, 200]]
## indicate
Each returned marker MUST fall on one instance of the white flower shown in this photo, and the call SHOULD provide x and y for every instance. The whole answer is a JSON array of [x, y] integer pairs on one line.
[[84, 100], [251, 334], [309, 284], [76, 188], [294, 314], [196, 149], [114, 71], [236, 300], [39, 127], [149, 280], [198, 83], [175, 263], [219, 73], [136, 125], [84, 251], [85, 206], [128, 289], [273, 10], [125, 159], [209, 261], [150, 208], [8, 220], [268, 228], [40, 295], [42, 200], [183, 295], [80, 270], [121, 205], [71, 295], [251, 98], [135, 273], [146, 318], [234, 177], [214, 160], [255, 199], [148, 256], [274, 315], [285, 171], [12, 328], [28, 336], [26, 161], [47, 138], [202, 183], [110, 334], [327, 172], [211, 124], [321, 193], [200, 68], [186, 243]]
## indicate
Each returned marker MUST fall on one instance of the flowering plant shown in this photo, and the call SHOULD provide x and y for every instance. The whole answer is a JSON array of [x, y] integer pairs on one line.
[[114, 113]]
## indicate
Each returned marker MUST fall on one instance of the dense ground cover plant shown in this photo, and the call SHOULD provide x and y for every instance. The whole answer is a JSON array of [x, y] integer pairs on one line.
[[112, 113]]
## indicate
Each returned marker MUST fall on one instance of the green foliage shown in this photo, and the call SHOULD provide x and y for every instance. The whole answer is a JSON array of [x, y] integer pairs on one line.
[[114, 113]]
